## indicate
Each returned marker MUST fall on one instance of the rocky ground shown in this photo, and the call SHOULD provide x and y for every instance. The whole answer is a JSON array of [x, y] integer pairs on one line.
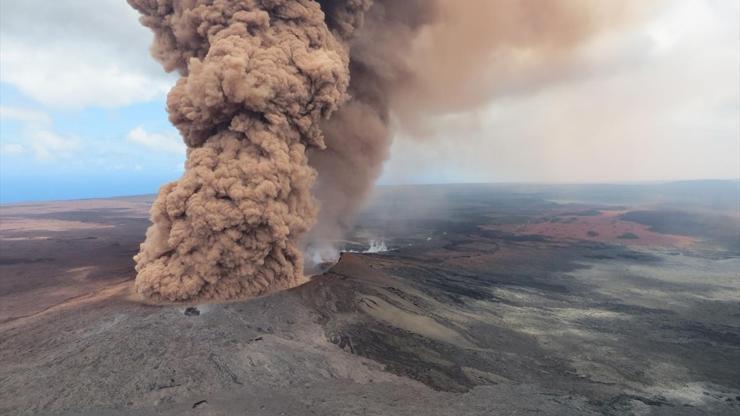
[[490, 300]]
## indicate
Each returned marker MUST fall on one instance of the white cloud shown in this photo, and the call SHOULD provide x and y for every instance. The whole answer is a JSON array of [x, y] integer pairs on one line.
[[48, 145], [38, 136], [24, 115], [68, 78], [11, 149], [72, 54], [156, 141]]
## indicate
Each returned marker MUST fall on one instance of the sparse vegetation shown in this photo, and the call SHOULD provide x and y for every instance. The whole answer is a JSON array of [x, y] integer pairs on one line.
[[629, 236]]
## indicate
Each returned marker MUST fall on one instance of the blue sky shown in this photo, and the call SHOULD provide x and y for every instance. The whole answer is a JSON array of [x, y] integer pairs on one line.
[[85, 152], [82, 108], [82, 105]]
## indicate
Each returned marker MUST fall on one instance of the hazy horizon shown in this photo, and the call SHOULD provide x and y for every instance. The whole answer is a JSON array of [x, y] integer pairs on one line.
[[74, 193]]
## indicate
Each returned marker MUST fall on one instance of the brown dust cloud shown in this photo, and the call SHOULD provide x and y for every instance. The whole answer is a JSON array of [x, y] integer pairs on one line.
[[288, 108]]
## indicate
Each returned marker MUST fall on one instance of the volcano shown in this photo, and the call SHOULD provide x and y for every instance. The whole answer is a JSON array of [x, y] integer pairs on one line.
[[497, 301]]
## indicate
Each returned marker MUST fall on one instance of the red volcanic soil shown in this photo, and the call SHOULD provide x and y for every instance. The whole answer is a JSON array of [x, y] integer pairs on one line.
[[606, 226], [56, 253]]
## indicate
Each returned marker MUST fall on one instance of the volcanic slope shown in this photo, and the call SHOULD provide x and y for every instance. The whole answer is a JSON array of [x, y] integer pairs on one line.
[[491, 300]]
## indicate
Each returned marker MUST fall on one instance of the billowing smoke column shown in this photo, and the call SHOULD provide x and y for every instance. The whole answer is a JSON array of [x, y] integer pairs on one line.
[[258, 76], [266, 101]]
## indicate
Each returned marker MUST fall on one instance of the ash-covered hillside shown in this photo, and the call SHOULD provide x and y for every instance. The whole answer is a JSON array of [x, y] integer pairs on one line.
[[489, 300]]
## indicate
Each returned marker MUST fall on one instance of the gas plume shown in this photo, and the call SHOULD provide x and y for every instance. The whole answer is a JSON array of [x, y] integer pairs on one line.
[[414, 60], [266, 102]]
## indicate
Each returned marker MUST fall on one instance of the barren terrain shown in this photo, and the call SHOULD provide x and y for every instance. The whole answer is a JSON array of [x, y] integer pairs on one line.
[[490, 300]]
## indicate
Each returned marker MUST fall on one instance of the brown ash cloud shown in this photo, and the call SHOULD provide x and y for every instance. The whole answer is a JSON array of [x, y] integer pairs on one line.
[[257, 77], [288, 108]]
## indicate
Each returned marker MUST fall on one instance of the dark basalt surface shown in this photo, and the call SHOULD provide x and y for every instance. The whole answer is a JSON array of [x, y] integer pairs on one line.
[[466, 314]]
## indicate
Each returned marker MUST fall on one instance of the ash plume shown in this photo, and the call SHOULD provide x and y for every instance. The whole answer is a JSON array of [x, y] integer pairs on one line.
[[274, 93], [257, 76], [414, 60]]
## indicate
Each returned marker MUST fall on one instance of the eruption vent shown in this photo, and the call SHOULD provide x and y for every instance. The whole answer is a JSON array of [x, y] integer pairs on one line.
[[257, 76], [265, 102]]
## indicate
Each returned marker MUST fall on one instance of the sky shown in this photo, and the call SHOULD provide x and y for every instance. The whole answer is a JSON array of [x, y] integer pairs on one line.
[[82, 108]]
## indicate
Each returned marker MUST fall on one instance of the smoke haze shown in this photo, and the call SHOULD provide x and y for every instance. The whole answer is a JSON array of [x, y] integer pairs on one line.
[[277, 93], [417, 60]]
